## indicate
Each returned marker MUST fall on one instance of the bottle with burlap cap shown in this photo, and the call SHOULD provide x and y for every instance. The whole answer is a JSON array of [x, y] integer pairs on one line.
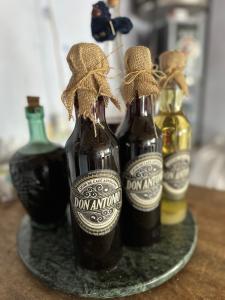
[[173, 64], [93, 161], [176, 131], [89, 67], [141, 78], [140, 150]]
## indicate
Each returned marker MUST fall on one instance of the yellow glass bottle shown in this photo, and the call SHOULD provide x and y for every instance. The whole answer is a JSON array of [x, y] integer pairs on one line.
[[176, 132]]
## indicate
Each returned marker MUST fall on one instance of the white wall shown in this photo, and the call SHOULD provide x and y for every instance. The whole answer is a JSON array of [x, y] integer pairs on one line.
[[21, 69], [35, 38], [214, 111]]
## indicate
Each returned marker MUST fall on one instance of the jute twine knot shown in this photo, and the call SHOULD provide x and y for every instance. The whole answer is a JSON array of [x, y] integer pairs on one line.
[[141, 75], [89, 67], [173, 63]]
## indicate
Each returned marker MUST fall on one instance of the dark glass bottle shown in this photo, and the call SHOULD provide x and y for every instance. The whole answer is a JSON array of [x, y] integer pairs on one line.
[[96, 197], [39, 174], [141, 165]]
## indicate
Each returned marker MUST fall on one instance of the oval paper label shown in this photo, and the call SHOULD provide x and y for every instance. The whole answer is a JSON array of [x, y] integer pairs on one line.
[[176, 175], [96, 201], [143, 181]]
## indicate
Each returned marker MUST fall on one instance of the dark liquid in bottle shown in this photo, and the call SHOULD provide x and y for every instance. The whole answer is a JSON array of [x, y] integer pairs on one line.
[[137, 136], [41, 183], [87, 152]]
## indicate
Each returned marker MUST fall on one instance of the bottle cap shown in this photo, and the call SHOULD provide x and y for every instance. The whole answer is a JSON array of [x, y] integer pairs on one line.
[[173, 63], [33, 109], [89, 67], [141, 77], [33, 101]]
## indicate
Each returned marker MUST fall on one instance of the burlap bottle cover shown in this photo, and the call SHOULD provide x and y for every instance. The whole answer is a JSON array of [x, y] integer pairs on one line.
[[89, 67], [141, 77], [173, 63]]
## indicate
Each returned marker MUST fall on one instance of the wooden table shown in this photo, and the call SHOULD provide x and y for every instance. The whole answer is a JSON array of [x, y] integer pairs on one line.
[[202, 278]]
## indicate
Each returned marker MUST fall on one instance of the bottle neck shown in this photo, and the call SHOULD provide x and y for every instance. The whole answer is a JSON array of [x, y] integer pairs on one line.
[[98, 113], [171, 100], [143, 106], [36, 125]]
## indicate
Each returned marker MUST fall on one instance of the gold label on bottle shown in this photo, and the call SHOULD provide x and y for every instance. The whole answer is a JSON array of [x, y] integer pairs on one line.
[[143, 181], [96, 201], [176, 175]]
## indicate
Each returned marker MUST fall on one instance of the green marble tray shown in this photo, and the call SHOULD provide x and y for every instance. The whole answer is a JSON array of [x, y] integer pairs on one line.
[[49, 256]]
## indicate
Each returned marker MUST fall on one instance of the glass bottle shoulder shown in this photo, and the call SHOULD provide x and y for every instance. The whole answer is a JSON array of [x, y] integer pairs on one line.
[[33, 150], [176, 120], [38, 148], [140, 129], [87, 151], [89, 140]]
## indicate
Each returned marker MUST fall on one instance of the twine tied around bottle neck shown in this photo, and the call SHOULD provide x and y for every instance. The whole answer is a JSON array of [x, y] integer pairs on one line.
[[173, 63], [141, 75], [89, 67]]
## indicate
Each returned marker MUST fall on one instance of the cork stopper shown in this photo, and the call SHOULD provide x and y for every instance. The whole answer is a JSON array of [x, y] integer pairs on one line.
[[113, 3], [141, 78], [173, 63], [33, 101], [33, 108], [89, 67]]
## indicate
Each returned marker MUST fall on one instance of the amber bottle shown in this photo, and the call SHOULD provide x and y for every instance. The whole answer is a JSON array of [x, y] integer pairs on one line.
[[141, 163], [96, 196]]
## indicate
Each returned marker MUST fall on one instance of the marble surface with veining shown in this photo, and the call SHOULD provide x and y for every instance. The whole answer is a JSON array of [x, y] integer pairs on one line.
[[49, 256]]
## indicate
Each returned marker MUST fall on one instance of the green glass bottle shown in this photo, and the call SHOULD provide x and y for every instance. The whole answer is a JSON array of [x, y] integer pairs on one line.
[[39, 173]]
